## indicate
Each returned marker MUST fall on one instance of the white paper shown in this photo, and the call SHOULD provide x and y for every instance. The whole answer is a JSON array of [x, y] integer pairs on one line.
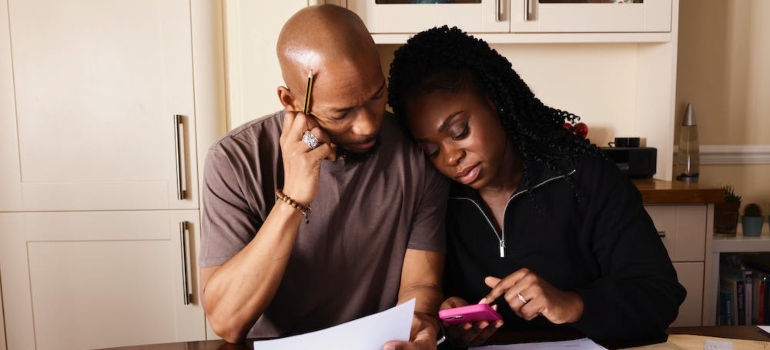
[[577, 344], [765, 328], [717, 345], [370, 332]]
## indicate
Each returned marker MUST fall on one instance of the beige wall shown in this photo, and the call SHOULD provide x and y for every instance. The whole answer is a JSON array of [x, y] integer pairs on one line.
[[597, 82], [724, 70]]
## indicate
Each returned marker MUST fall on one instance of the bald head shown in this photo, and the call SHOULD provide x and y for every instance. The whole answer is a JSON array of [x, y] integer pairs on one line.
[[319, 35]]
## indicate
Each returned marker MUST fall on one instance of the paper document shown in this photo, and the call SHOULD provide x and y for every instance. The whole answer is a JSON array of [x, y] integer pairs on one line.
[[577, 344], [370, 332]]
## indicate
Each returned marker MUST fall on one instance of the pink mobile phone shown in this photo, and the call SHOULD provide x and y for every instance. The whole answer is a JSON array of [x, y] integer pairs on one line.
[[469, 313]]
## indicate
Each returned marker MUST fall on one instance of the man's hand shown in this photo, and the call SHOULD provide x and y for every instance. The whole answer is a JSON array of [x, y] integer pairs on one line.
[[302, 164], [422, 336]]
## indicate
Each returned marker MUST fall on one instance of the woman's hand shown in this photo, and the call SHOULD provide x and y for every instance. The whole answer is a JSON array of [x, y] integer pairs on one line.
[[469, 333], [528, 295], [302, 165]]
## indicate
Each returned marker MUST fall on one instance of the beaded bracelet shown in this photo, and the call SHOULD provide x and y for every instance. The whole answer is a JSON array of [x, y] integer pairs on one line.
[[302, 209]]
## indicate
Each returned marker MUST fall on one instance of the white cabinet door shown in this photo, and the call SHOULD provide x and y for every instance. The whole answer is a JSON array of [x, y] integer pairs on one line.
[[691, 277], [476, 16], [92, 97], [583, 17], [10, 191], [84, 280], [682, 229], [504, 16]]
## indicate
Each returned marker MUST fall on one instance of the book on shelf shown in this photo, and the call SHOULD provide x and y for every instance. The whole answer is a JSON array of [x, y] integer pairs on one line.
[[748, 303], [744, 289], [731, 287]]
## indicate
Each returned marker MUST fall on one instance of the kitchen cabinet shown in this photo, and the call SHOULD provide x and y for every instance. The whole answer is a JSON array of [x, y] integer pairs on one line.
[[643, 21], [96, 87], [106, 112], [683, 214], [85, 280], [577, 16], [683, 230]]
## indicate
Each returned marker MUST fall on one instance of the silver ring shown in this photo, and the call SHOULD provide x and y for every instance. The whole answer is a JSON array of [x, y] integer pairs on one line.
[[310, 139], [523, 299]]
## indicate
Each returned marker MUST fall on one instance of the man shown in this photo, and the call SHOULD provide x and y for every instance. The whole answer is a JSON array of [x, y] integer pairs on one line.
[[312, 220]]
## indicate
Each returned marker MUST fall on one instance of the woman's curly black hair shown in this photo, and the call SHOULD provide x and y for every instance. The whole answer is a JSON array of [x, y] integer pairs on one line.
[[446, 58]]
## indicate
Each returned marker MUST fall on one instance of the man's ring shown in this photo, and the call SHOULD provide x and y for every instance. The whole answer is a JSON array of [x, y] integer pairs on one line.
[[310, 139], [523, 300]]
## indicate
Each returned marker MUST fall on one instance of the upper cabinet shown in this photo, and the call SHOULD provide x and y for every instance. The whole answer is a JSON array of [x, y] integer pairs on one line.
[[99, 106], [392, 21], [590, 16]]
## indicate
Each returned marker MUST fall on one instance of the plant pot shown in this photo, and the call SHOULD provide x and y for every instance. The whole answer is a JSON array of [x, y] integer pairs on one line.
[[726, 218], [752, 225]]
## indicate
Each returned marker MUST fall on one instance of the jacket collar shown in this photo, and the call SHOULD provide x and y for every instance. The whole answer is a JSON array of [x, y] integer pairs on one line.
[[539, 175]]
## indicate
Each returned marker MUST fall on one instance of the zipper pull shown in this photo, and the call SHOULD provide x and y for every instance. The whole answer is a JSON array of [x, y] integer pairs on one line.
[[502, 248]]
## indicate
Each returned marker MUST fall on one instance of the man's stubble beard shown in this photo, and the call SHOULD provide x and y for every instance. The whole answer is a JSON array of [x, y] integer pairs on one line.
[[359, 157]]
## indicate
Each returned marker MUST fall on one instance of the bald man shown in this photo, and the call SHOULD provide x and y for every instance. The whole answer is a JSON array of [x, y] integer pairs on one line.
[[312, 220]]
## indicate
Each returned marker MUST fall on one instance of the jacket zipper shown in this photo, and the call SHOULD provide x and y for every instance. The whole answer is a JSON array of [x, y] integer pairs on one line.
[[500, 238]]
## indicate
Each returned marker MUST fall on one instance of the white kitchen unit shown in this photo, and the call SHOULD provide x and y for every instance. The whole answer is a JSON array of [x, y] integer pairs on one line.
[[683, 213], [106, 112], [98, 88], [85, 280], [684, 230], [647, 21]]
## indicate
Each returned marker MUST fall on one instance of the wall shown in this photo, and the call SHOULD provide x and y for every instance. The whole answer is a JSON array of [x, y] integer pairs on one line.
[[253, 74], [597, 82], [724, 70]]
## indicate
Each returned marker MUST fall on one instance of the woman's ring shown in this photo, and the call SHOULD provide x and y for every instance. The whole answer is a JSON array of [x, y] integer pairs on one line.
[[310, 139], [523, 299]]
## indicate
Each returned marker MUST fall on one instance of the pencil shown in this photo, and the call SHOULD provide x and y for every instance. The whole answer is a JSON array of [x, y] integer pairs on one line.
[[306, 109]]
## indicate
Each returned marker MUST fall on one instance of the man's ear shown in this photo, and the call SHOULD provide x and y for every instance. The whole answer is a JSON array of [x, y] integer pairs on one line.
[[288, 100]]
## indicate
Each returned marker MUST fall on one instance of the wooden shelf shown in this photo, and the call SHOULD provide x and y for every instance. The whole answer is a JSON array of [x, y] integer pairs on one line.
[[677, 192]]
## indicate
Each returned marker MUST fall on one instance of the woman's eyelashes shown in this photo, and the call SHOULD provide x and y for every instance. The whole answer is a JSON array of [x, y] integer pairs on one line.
[[457, 132]]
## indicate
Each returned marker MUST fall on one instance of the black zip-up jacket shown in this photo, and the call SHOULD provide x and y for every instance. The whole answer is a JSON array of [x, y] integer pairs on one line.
[[600, 243]]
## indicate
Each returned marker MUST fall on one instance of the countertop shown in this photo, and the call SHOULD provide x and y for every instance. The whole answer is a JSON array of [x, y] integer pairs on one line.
[[677, 192]]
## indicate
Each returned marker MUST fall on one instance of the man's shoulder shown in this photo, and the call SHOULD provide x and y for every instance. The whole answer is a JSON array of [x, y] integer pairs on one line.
[[256, 131]]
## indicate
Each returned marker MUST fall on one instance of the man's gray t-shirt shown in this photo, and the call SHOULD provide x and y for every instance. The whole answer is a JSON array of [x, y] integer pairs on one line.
[[346, 262]]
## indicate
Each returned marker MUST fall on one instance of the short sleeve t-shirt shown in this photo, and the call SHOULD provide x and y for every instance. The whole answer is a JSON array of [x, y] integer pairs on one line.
[[346, 262]]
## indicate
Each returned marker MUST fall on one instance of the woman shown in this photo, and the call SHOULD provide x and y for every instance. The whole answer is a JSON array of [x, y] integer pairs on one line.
[[539, 222]]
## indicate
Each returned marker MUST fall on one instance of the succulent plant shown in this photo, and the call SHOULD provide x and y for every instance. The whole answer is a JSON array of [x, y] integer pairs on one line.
[[752, 210], [730, 196]]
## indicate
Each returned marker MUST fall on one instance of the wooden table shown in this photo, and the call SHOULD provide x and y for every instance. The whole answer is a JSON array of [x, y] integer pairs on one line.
[[735, 332]]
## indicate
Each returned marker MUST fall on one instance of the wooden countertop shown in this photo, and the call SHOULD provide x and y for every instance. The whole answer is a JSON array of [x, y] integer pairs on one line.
[[677, 192]]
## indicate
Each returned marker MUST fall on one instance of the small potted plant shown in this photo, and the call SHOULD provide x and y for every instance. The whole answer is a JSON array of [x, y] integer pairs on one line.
[[726, 214], [752, 220]]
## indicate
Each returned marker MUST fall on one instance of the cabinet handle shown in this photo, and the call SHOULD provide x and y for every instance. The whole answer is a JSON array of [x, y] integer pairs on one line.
[[527, 9], [181, 190], [183, 230], [661, 234], [498, 10]]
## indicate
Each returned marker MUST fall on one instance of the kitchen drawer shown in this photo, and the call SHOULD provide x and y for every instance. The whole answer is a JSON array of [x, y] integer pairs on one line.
[[682, 229]]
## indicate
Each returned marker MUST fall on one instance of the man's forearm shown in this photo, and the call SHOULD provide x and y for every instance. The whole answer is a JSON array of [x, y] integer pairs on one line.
[[235, 294], [421, 280]]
